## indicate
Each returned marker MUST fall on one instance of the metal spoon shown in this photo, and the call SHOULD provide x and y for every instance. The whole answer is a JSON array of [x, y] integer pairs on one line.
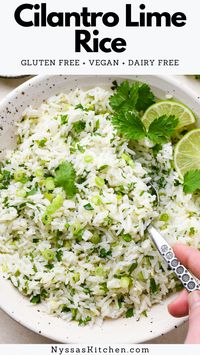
[[189, 282]]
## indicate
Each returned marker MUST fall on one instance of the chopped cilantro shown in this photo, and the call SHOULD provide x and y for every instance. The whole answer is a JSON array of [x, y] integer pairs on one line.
[[36, 299], [153, 286], [5, 177], [42, 142], [129, 313], [65, 309], [59, 255], [88, 207], [84, 321], [104, 254], [133, 267], [79, 126], [63, 119], [79, 106]]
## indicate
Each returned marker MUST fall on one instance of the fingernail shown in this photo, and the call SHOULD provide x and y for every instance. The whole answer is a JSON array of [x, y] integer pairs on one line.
[[194, 298]]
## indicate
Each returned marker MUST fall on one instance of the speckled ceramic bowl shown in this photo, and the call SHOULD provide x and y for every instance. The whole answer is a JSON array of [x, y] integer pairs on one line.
[[121, 330]]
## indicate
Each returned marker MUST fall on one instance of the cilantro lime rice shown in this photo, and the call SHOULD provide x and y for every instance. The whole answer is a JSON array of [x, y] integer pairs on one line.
[[75, 201]]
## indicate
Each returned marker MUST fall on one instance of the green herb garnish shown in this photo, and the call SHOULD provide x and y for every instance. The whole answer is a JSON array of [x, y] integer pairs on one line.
[[191, 181], [65, 177], [131, 127], [131, 97]]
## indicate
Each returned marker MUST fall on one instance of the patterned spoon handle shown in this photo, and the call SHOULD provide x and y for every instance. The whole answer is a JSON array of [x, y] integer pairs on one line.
[[187, 279]]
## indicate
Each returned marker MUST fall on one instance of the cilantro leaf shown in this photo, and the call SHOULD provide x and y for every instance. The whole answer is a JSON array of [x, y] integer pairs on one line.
[[162, 128], [129, 125], [191, 181], [153, 286], [145, 97], [131, 97], [65, 176], [125, 97]]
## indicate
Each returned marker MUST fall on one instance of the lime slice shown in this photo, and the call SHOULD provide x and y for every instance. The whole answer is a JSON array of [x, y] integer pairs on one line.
[[187, 153], [167, 107]]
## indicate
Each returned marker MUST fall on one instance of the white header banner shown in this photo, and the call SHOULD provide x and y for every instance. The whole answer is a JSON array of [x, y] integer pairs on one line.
[[107, 37]]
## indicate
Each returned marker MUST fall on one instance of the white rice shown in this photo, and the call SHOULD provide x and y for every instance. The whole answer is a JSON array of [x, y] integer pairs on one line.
[[87, 283]]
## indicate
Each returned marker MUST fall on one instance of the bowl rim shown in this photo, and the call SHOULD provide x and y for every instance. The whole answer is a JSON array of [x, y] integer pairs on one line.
[[35, 80]]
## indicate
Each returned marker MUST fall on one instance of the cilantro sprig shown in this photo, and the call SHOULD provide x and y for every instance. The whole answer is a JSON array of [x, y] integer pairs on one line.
[[131, 127], [127, 102], [131, 97], [191, 181], [162, 128]]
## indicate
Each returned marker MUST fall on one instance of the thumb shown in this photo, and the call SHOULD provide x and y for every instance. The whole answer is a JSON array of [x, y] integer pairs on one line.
[[193, 336]]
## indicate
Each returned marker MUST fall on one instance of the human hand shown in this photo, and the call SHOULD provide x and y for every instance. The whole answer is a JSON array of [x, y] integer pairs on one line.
[[186, 303]]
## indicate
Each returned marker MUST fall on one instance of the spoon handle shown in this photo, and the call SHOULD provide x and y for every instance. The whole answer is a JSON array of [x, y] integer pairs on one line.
[[187, 279]]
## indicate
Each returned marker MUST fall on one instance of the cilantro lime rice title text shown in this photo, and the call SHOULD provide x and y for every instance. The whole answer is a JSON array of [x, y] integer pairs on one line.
[[37, 15]]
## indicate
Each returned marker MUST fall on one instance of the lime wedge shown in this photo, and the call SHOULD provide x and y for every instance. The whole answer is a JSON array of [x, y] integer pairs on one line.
[[167, 107], [187, 153]]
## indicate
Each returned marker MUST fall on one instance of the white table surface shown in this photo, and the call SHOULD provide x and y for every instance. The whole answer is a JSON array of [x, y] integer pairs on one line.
[[13, 333]]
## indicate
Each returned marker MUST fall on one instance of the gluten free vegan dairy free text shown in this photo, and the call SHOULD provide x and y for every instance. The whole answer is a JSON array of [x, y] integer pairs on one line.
[[38, 15], [100, 62]]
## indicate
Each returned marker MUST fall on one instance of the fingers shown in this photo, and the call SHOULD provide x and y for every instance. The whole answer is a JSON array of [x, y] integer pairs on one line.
[[179, 307], [193, 336], [190, 257]]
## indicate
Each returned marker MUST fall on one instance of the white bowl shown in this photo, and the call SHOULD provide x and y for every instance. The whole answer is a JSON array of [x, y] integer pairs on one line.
[[33, 92]]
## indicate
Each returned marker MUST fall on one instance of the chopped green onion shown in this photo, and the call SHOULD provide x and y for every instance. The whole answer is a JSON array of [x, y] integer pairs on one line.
[[42, 142], [49, 184], [55, 205], [74, 313], [31, 192], [96, 200], [39, 172], [141, 276], [164, 217], [95, 239], [48, 196], [99, 271], [48, 254], [128, 159], [124, 282], [127, 237], [76, 277], [88, 158], [19, 176], [99, 181]]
